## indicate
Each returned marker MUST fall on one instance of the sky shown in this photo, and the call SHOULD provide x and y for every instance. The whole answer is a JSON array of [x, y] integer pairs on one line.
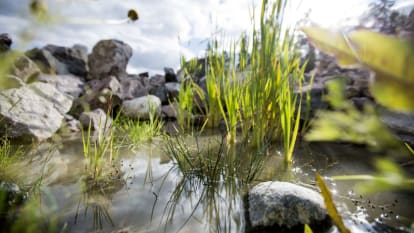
[[166, 30]]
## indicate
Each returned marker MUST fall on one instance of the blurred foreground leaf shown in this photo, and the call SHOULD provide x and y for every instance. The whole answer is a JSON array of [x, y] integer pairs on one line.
[[348, 124], [389, 177], [330, 206], [391, 58]]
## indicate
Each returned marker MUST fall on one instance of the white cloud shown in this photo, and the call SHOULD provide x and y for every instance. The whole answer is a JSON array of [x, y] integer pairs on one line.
[[166, 28]]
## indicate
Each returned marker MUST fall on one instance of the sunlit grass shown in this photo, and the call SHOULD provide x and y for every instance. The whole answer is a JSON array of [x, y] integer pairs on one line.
[[251, 87], [99, 151]]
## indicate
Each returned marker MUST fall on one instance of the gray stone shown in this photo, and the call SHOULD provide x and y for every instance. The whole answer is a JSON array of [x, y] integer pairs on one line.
[[12, 194], [97, 120], [317, 102], [282, 204], [70, 125], [109, 58], [134, 87], [25, 69], [5, 42], [157, 80], [170, 75], [73, 59], [69, 84], [11, 81], [161, 93], [170, 111], [99, 93], [34, 111], [141, 107], [45, 61], [402, 124], [173, 90]]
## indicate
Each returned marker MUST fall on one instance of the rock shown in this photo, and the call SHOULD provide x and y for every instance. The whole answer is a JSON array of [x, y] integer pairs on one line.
[[70, 125], [96, 119], [12, 195], [68, 84], [5, 42], [170, 111], [53, 59], [402, 124], [34, 111], [141, 107], [173, 90], [170, 75], [196, 69], [316, 92], [134, 87], [143, 75], [11, 81], [161, 93], [99, 93], [45, 61], [281, 205], [25, 69], [157, 80], [109, 58], [72, 58]]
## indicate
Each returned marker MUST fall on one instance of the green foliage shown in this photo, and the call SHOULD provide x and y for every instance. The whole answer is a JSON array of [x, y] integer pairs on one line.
[[138, 131], [390, 177], [8, 156], [389, 57], [99, 151], [348, 124], [257, 94]]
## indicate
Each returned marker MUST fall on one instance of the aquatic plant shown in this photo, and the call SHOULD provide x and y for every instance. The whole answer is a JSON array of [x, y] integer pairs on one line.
[[252, 89], [8, 154], [137, 131], [99, 151], [213, 178]]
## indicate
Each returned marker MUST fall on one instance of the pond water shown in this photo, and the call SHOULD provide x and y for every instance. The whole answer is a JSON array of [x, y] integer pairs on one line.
[[152, 194]]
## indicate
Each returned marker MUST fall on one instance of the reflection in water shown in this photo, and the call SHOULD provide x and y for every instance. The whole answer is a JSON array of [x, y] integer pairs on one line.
[[213, 180], [202, 189]]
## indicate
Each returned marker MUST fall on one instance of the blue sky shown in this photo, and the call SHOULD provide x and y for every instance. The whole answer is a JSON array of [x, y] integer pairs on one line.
[[166, 28]]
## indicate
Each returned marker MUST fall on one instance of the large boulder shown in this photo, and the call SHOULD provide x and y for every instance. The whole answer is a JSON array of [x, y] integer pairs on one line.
[[5, 42], [134, 86], [97, 120], [402, 124], [25, 69], [283, 206], [99, 93], [53, 59], [142, 107], [69, 84], [33, 112], [109, 58]]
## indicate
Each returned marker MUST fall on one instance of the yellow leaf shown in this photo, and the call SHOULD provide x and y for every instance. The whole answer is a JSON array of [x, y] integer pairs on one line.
[[384, 54], [307, 229], [330, 206], [391, 58]]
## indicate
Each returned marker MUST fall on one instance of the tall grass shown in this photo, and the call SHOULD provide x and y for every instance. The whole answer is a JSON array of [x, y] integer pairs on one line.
[[99, 151], [253, 89]]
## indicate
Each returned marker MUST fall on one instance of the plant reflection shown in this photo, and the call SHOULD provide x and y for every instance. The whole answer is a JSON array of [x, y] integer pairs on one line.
[[213, 180]]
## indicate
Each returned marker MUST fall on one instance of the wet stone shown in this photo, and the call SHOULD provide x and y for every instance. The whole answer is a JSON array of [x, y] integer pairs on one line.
[[285, 207]]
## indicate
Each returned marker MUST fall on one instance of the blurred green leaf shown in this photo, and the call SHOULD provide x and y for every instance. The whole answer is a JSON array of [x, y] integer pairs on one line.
[[349, 124], [389, 57], [389, 177]]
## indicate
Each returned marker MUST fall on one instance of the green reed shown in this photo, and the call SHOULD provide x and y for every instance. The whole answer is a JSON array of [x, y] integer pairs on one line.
[[255, 93]]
